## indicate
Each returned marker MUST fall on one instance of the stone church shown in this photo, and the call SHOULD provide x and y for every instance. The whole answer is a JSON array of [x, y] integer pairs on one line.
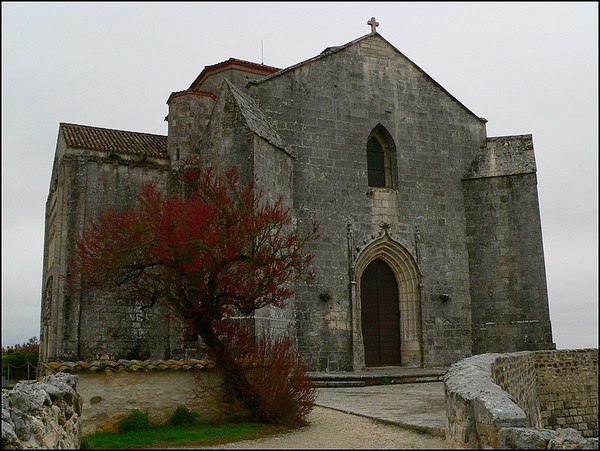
[[430, 247]]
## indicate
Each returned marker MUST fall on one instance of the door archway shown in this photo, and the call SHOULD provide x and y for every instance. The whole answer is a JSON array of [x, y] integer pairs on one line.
[[404, 270]]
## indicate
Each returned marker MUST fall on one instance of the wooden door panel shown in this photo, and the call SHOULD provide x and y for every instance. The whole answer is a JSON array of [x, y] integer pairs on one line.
[[380, 315]]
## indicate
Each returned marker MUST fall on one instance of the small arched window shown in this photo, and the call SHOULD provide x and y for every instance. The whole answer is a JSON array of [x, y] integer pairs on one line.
[[379, 160]]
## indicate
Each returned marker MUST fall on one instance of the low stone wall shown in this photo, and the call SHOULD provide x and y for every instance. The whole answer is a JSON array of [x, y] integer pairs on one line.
[[557, 389], [511, 400], [567, 389], [476, 408], [112, 390], [529, 438], [515, 373], [42, 415]]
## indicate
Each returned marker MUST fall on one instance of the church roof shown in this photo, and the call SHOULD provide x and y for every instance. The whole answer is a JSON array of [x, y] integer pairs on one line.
[[256, 119], [231, 62], [120, 141]]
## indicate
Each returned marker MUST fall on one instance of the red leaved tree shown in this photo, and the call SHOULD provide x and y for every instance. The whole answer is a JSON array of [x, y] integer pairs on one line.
[[215, 250]]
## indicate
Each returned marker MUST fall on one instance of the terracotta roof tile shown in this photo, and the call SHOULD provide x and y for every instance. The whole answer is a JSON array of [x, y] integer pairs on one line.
[[231, 62], [123, 365], [96, 138]]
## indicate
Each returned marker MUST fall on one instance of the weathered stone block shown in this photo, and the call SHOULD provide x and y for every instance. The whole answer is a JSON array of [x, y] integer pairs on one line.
[[42, 415], [524, 438]]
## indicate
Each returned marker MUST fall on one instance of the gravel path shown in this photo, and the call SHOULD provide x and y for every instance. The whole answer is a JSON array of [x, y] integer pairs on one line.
[[330, 428]]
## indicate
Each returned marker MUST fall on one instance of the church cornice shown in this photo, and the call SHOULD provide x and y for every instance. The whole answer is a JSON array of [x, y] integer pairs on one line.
[[109, 158], [188, 92]]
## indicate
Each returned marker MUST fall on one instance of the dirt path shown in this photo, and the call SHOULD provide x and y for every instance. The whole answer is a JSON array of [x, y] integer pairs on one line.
[[332, 429]]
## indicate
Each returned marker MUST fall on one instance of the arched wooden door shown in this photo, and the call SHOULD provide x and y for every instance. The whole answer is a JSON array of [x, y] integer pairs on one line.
[[380, 315]]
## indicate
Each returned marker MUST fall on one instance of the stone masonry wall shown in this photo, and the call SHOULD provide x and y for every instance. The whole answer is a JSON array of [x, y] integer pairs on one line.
[[188, 115], [516, 375], [91, 324], [567, 389], [96, 324], [557, 389], [327, 109], [507, 273], [516, 400], [506, 259], [42, 415]]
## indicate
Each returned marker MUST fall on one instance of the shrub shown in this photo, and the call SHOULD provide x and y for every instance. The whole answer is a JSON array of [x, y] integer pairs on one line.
[[20, 361], [183, 416], [136, 421], [281, 380], [282, 391]]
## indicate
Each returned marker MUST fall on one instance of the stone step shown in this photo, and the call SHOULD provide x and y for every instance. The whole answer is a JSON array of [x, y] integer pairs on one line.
[[338, 384], [385, 377]]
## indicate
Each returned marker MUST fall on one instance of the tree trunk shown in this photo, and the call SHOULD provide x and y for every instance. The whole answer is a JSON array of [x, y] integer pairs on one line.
[[235, 381]]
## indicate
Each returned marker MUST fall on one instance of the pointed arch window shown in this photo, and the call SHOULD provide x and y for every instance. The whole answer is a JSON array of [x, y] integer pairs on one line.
[[379, 159]]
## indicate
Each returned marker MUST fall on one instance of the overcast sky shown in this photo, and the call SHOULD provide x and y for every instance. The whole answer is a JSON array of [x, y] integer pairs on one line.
[[525, 67]]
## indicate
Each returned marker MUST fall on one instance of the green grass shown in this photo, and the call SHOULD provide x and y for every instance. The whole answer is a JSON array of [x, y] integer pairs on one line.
[[169, 435]]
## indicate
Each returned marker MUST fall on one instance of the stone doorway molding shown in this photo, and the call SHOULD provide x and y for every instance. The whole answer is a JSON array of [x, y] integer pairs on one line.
[[408, 277]]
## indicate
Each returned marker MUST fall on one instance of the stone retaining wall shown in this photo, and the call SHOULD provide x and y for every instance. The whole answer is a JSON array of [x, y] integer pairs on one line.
[[112, 390], [516, 400], [42, 415]]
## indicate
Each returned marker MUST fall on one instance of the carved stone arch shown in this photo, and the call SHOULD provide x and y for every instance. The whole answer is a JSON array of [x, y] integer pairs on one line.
[[46, 319], [408, 278], [47, 309]]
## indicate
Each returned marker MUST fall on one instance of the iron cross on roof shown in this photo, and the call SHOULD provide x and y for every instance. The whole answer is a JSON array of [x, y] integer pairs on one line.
[[374, 24]]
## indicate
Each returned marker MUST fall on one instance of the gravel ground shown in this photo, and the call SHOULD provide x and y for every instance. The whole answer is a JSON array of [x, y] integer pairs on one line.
[[332, 429]]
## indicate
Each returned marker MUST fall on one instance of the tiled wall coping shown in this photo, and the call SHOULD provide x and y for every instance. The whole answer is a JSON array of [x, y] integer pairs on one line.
[[123, 365]]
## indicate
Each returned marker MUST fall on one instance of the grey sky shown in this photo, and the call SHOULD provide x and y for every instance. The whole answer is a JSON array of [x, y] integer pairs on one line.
[[526, 67]]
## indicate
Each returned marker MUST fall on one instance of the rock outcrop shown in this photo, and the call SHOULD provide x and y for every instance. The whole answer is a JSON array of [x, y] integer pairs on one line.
[[42, 415]]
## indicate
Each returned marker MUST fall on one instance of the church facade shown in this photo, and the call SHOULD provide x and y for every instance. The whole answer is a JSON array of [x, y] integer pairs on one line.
[[430, 246]]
